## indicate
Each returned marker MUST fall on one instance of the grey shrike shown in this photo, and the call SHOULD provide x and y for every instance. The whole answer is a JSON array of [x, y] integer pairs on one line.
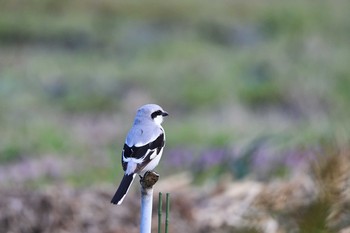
[[143, 147]]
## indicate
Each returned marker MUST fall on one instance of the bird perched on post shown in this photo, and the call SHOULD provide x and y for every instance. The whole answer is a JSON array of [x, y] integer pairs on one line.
[[143, 147]]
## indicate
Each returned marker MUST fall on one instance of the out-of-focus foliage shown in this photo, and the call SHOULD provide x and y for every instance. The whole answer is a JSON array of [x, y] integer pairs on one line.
[[229, 72]]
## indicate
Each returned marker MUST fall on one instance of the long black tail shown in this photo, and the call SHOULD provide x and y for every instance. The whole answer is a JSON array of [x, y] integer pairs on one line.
[[123, 189]]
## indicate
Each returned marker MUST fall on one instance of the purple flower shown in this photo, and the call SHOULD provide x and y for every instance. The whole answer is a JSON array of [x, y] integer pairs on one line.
[[299, 158], [179, 158], [211, 157]]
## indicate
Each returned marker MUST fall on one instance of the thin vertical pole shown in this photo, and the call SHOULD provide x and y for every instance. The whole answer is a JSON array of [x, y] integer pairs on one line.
[[167, 212], [146, 210], [160, 213]]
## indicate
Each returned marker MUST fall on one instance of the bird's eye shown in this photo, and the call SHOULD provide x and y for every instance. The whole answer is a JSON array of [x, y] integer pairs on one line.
[[156, 113]]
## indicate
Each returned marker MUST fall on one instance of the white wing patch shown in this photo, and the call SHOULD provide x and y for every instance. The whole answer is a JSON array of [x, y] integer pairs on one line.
[[133, 162], [154, 154]]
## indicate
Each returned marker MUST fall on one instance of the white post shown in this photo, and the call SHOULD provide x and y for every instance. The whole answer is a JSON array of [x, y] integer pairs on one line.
[[147, 182], [146, 210]]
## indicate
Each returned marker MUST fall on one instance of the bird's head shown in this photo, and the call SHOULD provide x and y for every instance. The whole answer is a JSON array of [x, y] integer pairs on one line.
[[151, 112]]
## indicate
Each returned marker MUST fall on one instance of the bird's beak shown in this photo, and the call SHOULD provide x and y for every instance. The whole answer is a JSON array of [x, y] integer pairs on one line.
[[165, 114]]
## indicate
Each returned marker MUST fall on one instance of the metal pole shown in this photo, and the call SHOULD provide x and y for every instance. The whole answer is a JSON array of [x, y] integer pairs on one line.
[[167, 212], [160, 213]]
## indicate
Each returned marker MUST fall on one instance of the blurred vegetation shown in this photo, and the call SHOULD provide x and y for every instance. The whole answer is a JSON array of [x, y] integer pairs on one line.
[[72, 74]]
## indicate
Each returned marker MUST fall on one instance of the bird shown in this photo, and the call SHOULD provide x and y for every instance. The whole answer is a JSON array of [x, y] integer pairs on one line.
[[143, 147]]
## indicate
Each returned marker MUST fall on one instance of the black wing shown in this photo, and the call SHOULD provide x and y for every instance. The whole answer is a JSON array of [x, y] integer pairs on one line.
[[139, 152]]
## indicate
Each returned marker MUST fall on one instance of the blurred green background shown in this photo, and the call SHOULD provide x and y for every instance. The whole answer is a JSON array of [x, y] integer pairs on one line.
[[232, 74]]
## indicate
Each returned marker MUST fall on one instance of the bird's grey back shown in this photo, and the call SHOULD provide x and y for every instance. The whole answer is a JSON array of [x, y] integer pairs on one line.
[[143, 133]]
